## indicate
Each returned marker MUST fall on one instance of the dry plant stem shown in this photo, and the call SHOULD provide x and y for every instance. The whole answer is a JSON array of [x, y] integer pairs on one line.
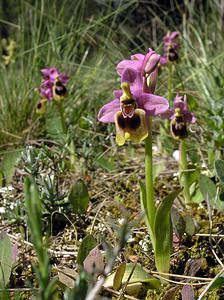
[[184, 176], [118, 293], [210, 284]]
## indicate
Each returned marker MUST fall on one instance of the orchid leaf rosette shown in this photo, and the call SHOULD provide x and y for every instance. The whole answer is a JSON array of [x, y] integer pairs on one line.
[[132, 111]]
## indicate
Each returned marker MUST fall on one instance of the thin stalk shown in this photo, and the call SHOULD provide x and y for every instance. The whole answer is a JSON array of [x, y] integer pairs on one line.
[[151, 209], [170, 89], [184, 175], [170, 82], [61, 112]]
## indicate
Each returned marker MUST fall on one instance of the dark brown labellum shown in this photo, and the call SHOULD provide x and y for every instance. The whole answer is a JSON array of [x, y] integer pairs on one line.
[[179, 127], [173, 55], [60, 89], [39, 105], [131, 123]]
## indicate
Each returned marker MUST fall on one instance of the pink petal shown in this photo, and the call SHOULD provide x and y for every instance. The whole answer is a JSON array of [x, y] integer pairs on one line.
[[134, 79], [174, 35], [153, 104], [108, 111], [118, 93], [151, 63], [163, 60], [53, 73], [128, 64], [149, 85], [63, 78], [138, 56]]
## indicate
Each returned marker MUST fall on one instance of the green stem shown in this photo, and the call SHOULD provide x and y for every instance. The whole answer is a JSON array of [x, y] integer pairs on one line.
[[61, 112], [151, 209], [170, 90], [184, 175], [170, 82]]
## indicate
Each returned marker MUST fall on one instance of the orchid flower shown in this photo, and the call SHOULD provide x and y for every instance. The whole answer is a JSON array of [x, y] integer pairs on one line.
[[129, 109], [180, 116], [53, 88], [146, 66], [170, 47], [52, 85]]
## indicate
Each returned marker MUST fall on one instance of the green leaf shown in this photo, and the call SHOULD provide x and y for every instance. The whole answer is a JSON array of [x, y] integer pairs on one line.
[[218, 282], [178, 222], [196, 195], [207, 188], [1, 178], [189, 225], [107, 164], [86, 246], [118, 276], [79, 197], [139, 275], [219, 168], [67, 277], [9, 162], [144, 209], [163, 232], [6, 259], [143, 196], [157, 169], [53, 124]]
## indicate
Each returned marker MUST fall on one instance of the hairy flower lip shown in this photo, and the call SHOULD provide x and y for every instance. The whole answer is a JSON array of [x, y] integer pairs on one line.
[[134, 128]]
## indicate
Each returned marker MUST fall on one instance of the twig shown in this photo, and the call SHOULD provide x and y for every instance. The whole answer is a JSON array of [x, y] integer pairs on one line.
[[210, 284], [110, 264], [19, 290], [182, 276], [53, 252], [126, 283], [118, 293], [210, 235], [178, 282]]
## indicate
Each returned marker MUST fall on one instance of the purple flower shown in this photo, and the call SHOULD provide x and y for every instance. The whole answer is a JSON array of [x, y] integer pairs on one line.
[[181, 103], [180, 116], [53, 74], [145, 67], [53, 80], [129, 110], [46, 89], [170, 47]]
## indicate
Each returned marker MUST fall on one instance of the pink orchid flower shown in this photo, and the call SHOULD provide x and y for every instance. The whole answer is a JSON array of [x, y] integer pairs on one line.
[[52, 80], [170, 47], [130, 108]]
